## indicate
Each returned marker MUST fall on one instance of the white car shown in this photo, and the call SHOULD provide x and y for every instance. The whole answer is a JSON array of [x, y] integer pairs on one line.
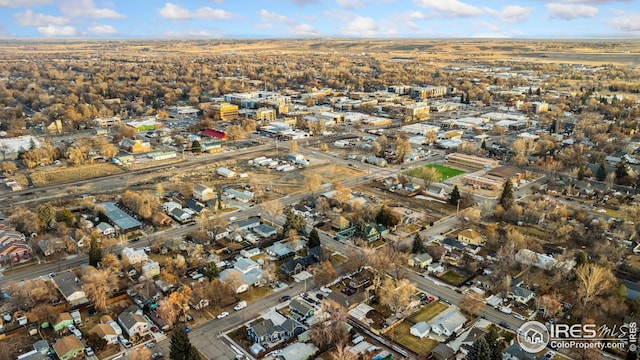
[[325, 290], [519, 317], [241, 305], [74, 331], [222, 315]]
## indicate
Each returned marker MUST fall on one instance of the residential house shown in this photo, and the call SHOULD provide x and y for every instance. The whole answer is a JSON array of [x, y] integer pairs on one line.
[[134, 256], [515, 352], [248, 224], [150, 269], [448, 323], [435, 268], [106, 229], [70, 287], [420, 260], [180, 215], [247, 270], [452, 244], [196, 206], [264, 230], [203, 193], [106, 332], [169, 206], [470, 236], [521, 294], [62, 321], [264, 332], [292, 328], [472, 335], [442, 352], [68, 347], [420, 329], [133, 324], [280, 251], [300, 309], [298, 351], [340, 223], [295, 266], [14, 248], [135, 146], [160, 219]]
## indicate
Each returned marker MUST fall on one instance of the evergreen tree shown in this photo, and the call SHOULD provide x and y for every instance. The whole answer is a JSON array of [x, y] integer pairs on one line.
[[621, 171], [480, 350], [455, 196], [601, 174], [484, 144], [581, 172], [507, 198], [294, 221], [95, 253], [462, 98], [196, 147], [314, 239], [181, 348], [496, 344], [418, 245], [211, 270]]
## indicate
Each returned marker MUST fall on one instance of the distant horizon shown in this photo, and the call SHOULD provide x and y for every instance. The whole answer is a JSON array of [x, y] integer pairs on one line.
[[319, 19]]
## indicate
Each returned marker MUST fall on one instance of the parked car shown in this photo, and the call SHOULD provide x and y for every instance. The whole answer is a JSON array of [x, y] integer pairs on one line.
[[89, 351], [222, 315], [504, 325], [187, 329], [241, 305], [126, 343], [157, 355], [150, 344]]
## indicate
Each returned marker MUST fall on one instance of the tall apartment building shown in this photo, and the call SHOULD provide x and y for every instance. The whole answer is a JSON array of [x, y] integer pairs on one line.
[[265, 115]]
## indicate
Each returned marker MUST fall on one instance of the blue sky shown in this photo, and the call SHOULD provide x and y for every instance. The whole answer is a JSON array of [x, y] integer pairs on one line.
[[197, 19]]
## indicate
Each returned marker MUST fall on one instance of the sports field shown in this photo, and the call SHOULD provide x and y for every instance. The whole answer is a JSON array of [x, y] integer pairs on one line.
[[445, 172]]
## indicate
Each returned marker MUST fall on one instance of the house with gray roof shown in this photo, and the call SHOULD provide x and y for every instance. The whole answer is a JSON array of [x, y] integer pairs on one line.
[[133, 323], [279, 251], [301, 309], [70, 287], [264, 230], [521, 294], [119, 218]]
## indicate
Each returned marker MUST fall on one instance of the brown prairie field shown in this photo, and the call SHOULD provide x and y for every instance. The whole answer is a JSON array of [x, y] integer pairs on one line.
[[74, 173]]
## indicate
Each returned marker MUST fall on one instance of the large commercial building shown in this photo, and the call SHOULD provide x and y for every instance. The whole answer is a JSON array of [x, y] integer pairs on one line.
[[224, 111], [11, 147], [471, 161]]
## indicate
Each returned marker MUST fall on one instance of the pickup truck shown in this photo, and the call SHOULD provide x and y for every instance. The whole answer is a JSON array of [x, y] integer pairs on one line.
[[241, 305]]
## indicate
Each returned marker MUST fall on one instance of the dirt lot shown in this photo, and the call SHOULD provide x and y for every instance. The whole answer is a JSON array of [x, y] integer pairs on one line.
[[48, 176], [16, 344]]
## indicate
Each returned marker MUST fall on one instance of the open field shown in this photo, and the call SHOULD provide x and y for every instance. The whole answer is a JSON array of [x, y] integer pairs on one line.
[[402, 335], [331, 172], [57, 176], [453, 277], [445, 172]]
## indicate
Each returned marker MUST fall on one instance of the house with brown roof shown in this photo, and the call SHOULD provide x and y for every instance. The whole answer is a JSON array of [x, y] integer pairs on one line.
[[470, 236], [68, 347], [106, 332], [14, 248]]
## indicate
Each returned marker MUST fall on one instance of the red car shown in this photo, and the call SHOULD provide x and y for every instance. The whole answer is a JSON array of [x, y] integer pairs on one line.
[[155, 329]]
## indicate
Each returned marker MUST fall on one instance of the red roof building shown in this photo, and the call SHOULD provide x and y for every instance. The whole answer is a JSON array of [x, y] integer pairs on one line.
[[215, 133]]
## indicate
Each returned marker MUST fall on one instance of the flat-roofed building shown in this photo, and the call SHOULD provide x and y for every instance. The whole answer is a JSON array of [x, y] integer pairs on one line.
[[266, 114], [471, 161], [417, 112], [225, 111]]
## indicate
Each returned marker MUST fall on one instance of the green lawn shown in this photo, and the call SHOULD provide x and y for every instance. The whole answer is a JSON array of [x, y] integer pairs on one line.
[[427, 312], [453, 277], [255, 293], [445, 172], [402, 335]]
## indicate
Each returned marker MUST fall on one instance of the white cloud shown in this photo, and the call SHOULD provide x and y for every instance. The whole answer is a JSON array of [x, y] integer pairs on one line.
[[351, 4], [102, 29], [339, 14], [304, 2], [29, 18], [269, 17], [489, 26], [304, 30], [512, 13], [571, 11], [172, 11], [625, 22], [22, 3], [451, 7], [361, 26], [87, 9], [55, 31]]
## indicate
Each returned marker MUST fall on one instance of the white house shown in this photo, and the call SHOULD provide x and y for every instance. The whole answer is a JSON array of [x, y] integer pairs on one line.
[[133, 324], [521, 294], [170, 205], [134, 256], [247, 270], [448, 323], [420, 329], [150, 269], [203, 193], [106, 332], [105, 229]]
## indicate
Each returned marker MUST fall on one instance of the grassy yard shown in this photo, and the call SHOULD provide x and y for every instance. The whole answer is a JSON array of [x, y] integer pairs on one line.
[[402, 336], [42, 177], [445, 172], [453, 277], [428, 312], [255, 293], [337, 259]]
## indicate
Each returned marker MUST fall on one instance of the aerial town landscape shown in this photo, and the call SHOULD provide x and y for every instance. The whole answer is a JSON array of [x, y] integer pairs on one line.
[[316, 198]]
